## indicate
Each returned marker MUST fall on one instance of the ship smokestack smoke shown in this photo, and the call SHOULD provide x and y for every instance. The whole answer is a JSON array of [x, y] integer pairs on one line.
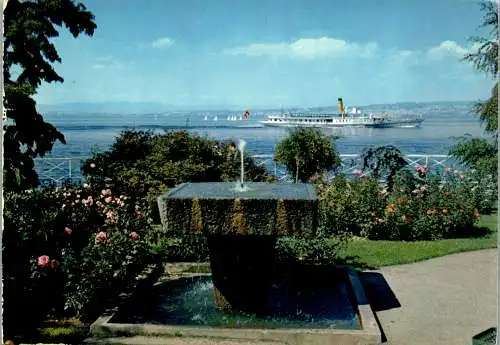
[[341, 106]]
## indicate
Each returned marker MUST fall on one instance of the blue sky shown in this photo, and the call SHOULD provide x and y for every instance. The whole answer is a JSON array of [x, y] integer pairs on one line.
[[262, 53]]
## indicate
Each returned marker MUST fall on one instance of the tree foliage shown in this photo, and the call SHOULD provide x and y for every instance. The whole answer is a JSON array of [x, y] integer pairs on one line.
[[475, 153], [307, 152], [485, 59], [488, 113], [29, 55], [383, 161]]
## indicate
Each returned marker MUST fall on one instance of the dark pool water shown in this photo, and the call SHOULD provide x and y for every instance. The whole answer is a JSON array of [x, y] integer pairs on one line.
[[305, 303]]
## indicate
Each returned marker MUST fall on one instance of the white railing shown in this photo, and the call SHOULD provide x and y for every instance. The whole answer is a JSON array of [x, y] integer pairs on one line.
[[351, 162], [58, 170]]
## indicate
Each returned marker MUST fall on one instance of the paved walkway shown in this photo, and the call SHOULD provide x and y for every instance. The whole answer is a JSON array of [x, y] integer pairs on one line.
[[445, 300], [442, 301]]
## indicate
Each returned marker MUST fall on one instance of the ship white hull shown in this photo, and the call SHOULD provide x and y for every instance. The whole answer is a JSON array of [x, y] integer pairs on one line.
[[346, 123]]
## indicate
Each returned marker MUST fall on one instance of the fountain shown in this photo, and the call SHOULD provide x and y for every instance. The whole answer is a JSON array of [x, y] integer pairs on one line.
[[241, 147], [242, 223]]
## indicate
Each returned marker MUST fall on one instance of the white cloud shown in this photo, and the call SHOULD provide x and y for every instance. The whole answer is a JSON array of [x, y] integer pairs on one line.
[[109, 62], [328, 47], [446, 49], [162, 43], [404, 56], [307, 48]]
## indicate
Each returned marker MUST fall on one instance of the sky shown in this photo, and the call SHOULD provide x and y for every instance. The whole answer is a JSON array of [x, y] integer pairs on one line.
[[271, 53]]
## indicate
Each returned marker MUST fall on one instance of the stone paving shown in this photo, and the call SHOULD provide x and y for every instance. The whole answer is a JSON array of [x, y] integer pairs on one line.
[[446, 300]]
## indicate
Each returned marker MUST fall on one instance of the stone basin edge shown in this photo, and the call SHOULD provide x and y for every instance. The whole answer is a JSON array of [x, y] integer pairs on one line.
[[369, 334]]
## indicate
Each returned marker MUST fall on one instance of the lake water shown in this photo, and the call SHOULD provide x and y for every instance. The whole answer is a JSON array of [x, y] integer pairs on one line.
[[85, 132]]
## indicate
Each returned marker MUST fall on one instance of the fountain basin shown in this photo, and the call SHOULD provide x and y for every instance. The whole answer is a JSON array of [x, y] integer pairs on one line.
[[275, 209], [311, 311]]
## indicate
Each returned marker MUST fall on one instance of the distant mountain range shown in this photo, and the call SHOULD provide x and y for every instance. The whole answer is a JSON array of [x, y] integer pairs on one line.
[[125, 107], [151, 107]]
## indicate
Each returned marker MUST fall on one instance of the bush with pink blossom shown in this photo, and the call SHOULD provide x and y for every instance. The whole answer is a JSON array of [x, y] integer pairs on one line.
[[420, 206], [68, 248]]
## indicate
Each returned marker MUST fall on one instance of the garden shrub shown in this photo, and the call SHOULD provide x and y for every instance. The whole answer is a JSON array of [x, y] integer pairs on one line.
[[69, 248], [436, 208], [320, 250], [346, 206], [307, 152], [480, 157], [421, 206]]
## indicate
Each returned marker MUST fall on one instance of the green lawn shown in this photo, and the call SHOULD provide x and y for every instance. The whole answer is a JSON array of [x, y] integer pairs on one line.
[[386, 253]]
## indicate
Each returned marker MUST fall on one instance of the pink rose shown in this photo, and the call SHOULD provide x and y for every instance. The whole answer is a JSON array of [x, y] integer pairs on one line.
[[89, 201], [421, 170], [106, 192], [134, 236], [108, 199], [68, 230], [43, 260], [101, 237], [357, 172]]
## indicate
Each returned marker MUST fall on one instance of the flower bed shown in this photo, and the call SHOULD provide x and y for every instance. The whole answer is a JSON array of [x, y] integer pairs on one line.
[[420, 205], [69, 249]]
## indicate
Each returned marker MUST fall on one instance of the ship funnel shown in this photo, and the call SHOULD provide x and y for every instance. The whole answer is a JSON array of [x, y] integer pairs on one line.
[[341, 106]]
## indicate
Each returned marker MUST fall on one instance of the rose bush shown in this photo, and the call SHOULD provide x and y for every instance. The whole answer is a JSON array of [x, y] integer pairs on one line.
[[421, 205], [68, 248], [346, 206]]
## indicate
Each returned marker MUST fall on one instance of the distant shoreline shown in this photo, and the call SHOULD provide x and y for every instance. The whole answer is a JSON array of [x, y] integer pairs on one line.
[[126, 108]]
